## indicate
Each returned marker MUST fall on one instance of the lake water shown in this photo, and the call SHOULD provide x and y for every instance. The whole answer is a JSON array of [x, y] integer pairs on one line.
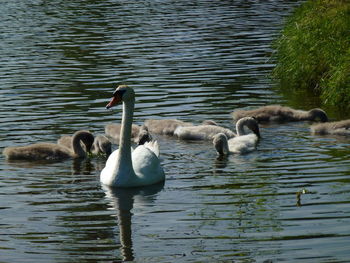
[[190, 60]]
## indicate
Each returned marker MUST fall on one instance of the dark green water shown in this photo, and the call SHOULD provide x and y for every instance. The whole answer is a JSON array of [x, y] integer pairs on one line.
[[191, 60]]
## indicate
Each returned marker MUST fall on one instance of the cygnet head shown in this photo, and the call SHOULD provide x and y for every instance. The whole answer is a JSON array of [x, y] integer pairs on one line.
[[220, 143], [251, 123], [144, 135], [318, 114], [122, 93], [102, 145]]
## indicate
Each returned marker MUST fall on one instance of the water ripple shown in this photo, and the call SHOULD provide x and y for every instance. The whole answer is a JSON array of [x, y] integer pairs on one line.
[[191, 60]]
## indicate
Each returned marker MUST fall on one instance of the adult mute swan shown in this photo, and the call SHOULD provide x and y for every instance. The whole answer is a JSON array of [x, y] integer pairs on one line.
[[277, 113], [51, 151], [124, 167], [241, 144], [207, 132], [101, 144], [332, 128]]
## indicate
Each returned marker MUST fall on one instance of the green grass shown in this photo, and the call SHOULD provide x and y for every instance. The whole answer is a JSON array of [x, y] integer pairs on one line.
[[313, 51]]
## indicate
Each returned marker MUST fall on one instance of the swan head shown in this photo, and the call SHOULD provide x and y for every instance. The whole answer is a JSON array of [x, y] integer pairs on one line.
[[220, 144], [102, 145], [122, 93], [144, 135], [318, 114], [251, 123]]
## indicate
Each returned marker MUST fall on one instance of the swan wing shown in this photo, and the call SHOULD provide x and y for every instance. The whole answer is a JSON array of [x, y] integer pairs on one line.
[[147, 165], [106, 176], [243, 144], [201, 132], [153, 146], [189, 133]]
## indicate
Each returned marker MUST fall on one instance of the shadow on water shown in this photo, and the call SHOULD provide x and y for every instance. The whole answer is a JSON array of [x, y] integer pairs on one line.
[[122, 200]]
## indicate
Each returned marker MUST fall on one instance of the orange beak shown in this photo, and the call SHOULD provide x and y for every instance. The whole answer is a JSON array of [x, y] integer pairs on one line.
[[115, 100]]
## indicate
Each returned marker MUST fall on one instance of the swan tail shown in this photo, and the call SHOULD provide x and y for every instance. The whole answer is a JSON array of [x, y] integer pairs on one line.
[[153, 146]]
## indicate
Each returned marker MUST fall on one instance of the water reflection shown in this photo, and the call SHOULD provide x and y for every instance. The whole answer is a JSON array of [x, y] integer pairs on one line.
[[191, 60], [78, 165], [122, 200]]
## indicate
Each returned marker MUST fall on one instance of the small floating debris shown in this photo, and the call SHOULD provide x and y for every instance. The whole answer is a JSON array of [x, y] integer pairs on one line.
[[299, 193]]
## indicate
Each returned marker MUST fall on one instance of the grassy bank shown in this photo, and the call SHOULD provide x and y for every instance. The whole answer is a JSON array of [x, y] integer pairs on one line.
[[313, 51]]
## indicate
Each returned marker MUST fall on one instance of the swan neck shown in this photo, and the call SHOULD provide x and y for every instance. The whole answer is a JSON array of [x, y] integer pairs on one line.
[[77, 148], [125, 138], [240, 127]]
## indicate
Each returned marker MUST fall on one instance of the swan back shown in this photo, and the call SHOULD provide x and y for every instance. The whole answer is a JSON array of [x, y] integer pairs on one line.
[[201, 132], [66, 141], [146, 163], [278, 113], [39, 151], [243, 144], [164, 126], [51, 151], [112, 130], [332, 128], [239, 145], [210, 122]]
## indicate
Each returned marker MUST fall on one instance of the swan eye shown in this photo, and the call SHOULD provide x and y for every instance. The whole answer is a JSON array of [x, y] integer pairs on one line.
[[119, 92]]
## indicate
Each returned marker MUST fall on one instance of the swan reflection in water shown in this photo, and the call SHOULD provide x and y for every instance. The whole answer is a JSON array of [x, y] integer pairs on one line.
[[122, 200]]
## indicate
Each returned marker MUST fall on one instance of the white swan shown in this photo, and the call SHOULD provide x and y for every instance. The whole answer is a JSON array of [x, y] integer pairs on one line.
[[52, 151], [241, 144], [277, 113], [124, 167], [332, 128], [207, 132]]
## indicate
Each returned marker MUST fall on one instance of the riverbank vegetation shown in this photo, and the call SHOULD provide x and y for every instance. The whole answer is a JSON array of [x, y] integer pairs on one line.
[[313, 51]]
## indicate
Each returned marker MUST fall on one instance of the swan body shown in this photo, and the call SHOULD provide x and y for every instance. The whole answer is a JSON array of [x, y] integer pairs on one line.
[[51, 151], [112, 130], [124, 167], [165, 126], [201, 132], [242, 143], [207, 132], [332, 128], [277, 113], [101, 144], [209, 122]]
